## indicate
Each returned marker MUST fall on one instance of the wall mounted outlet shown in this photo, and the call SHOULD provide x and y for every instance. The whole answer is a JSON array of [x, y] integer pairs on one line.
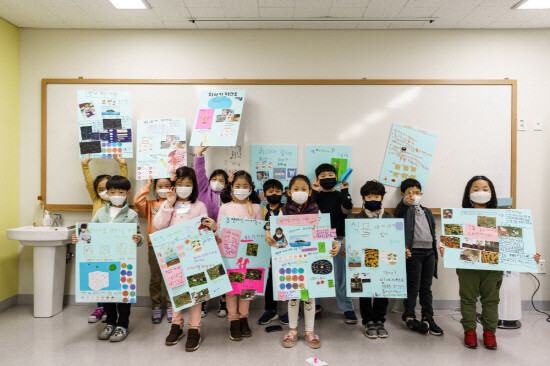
[[538, 126], [522, 125], [542, 266]]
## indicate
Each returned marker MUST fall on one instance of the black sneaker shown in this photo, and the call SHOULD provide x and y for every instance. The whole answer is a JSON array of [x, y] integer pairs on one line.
[[417, 326], [245, 329], [222, 310], [204, 310], [284, 319], [350, 317], [193, 340], [433, 328], [318, 311], [235, 330], [176, 333], [267, 317]]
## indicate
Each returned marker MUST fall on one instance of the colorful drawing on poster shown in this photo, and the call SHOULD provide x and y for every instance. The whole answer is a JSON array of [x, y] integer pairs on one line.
[[218, 118], [105, 269], [105, 123], [337, 155], [375, 252], [490, 239], [161, 147], [409, 155]]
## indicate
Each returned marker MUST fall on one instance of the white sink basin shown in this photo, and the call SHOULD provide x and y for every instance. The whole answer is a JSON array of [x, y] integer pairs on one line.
[[41, 236]]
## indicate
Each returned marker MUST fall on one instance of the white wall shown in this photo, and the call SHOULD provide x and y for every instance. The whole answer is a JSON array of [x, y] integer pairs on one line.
[[461, 54]]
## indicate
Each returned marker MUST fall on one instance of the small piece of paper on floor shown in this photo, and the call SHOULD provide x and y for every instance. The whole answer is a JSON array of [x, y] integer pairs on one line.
[[316, 361]]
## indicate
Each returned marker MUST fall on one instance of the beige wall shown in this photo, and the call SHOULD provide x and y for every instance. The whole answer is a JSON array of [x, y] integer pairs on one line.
[[521, 55]]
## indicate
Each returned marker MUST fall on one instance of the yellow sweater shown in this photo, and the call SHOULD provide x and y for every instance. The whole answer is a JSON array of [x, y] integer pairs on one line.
[[97, 201]]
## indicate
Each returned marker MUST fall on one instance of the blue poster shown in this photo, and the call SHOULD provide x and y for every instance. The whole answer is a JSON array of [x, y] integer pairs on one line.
[[190, 262], [218, 118], [409, 155], [375, 255], [246, 255], [488, 239], [301, 263], [337, 155], [105, 269], [273, 162]]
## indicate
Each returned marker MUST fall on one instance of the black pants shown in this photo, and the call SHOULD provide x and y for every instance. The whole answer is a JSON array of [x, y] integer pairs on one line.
[[270, 304], [373, 309], [420, 271], [118, 314]]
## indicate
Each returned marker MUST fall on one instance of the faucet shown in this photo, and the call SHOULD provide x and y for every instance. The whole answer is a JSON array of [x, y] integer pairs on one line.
[[57, 221]]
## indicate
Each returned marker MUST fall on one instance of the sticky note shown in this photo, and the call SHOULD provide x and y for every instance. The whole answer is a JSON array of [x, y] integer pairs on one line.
[[322, 248], [304, 295], [281, 296], [330, 283]]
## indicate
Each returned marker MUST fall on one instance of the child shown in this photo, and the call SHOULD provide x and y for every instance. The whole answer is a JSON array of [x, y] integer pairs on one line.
[[98, 193], [148, 209], [279, 238], [421, 246], [338, 204], [373, 311], [84, 235], [209, 193], [474, 283], [273, 190], [299, 193], [181, 205], [244, 204], [117, 211]]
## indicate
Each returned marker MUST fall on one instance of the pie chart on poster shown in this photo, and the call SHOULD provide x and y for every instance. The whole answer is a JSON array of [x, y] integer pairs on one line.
[[321, 267]]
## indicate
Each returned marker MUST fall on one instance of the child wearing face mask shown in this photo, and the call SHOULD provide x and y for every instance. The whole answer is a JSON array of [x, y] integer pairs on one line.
[[117, 211], [148, 209], [181, 205], [98, 193], [243, 202], [338, 204]]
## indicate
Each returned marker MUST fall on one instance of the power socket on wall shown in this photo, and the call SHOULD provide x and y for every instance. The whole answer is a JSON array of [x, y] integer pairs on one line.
[[538, 126], [542, 266], [522, 125]]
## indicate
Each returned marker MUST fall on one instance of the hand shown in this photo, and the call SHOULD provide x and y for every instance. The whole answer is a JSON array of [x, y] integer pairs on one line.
[[336, 245], [86, 160], [408, 253], [136, 238], [343, 253], [344, 185], [409, 200], [218, 240], [231, 174], [171, 198], [201, 150], [150, 181], [270, 240], [74, 238], [119, 158], [211, 224], [536, 257], [442, 251], [316, 186]]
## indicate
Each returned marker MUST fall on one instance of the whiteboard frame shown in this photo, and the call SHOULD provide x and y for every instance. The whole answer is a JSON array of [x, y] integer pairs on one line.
[[86, 208]]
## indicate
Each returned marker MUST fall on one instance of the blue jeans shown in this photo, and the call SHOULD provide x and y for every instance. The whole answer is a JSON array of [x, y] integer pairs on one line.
[[344, 302]]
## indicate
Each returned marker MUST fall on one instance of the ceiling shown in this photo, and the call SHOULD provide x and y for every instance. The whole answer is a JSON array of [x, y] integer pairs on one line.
[[175, 14]]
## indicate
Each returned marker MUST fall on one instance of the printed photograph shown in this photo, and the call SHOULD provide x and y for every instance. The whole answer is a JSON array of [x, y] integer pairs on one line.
[[491, 246], [197, 279], [371, 258], [248, 294], [87, 109], [182, 299], [201, 296], [512, 232], [253, 274], [469, 255], [473, 244], [453, 229], [234, 118], [237, 277], [86, 133], [450, 241], [448, 213], [252, 249], [114, 123], [354, 258], [262, 175], [322, 267], [487, 221], [489, 257], [356, 286], [110, 110], [389, 257], [215, 272]]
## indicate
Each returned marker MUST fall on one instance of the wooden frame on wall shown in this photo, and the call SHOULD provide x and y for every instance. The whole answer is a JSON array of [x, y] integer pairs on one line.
[[84, 208]]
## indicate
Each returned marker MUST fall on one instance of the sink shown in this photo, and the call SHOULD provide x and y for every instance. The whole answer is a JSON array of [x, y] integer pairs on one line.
[[49, 246]]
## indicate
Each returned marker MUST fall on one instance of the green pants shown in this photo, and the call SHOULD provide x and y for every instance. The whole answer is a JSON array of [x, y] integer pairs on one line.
[[156, 283], [474, 283]]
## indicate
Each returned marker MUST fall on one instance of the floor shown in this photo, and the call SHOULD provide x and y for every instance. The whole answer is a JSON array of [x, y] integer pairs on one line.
[[67, 339]]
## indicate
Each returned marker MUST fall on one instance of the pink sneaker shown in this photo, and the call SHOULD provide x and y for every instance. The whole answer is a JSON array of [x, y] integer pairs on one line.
[[96, 315]]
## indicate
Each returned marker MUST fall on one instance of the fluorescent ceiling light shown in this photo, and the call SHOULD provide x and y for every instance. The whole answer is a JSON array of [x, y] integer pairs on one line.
[[129, 4], [532, 4]]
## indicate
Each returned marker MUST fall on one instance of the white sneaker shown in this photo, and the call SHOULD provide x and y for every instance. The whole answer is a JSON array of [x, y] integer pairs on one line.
[[119, 335]]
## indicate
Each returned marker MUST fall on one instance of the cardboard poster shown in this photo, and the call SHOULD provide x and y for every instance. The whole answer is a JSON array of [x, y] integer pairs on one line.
[[337, 155], [273, 162]]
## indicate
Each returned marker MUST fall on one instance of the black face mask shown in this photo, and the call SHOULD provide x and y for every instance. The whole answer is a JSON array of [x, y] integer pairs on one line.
[[274, 198], [328, 183]]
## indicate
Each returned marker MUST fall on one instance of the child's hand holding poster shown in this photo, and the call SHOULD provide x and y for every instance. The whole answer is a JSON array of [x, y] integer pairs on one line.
[[302, 264], [246, 255], [190, 262], [376, 262]]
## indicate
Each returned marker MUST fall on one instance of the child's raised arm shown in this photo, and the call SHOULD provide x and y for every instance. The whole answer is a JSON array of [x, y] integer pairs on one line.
[[347, 204], [88, 178], [122, 165], [200, 170], [140, 199]]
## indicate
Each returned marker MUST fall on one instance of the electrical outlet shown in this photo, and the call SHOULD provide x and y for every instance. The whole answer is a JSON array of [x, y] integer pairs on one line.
[[542, 266], [538, 126], [522, 125]]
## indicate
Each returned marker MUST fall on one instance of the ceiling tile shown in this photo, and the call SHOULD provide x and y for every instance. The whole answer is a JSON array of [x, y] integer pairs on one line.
[[212, 25], [239, 3], [206, 12], [425, 3], [311, 12], [203, 3], [347, 12], [313, 4], [276, 3], [373, 25], [349, 3], [54, 2], [180, 25], [406, 25], [276, 12], [52, 25], [408, 12], [240, 12], [173, 14], [245, 25]]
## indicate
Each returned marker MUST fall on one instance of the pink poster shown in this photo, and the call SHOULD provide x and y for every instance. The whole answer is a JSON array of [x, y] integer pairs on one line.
[[204, 119], [230, 242], [246, 282], [480, 233], [174, 277], [298, 220]]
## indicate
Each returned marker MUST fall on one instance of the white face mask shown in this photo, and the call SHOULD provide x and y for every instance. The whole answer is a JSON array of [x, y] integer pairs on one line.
[[480, 197], [104, 196], [416, 201], [300, 197], [162, 192], [241, 194], [278, 236], [216, 186], [117, 200], [184, 192]]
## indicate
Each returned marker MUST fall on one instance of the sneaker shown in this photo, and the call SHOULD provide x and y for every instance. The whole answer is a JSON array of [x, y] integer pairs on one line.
[[284, 319], [169, 314], [222, 310], [470, 339], [193, 340], [381, 330], [433, 328], [157, 315], [106, 332], [489, 340], [350, 317], [235, 330], [204, 310], [267, 317], [417, 326], [97, 315], [245, 329], [318, 311], [370, 330], [176, 333], [119, 335], [104, 318]]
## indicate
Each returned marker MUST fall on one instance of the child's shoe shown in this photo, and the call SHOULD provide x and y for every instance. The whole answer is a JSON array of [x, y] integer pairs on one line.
[[433, 328], [381, 330], [119, 335], [106, 332], [290, 339], [313, 340], [470, 339], [284, 319], [222, 310], [245, 329], [193, 340], [350, 317], [489, 340], [318, 311], [157, 315], [176, 333], [97, 315], [104, 318], [417, 326], [267, 317], [169, 314], [235, 330], [204, 310], [370, 330]]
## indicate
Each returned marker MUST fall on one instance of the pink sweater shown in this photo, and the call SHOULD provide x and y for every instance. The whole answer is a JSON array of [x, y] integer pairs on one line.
[[239, 210], [166, 217]]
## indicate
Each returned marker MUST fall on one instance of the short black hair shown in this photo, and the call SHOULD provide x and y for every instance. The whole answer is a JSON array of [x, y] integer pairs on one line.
[[467, 203], [119, 182], [83, 226], [99, 178], [272, 183], [218, 172], [373, 187], [157, 180], [410, 182], [325, 167], [186, 172]]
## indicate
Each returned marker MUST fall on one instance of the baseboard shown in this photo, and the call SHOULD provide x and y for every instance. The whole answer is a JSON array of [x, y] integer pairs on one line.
[[8, 303]]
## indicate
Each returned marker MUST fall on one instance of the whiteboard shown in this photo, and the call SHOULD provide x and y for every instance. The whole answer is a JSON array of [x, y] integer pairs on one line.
[[474, 123]]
